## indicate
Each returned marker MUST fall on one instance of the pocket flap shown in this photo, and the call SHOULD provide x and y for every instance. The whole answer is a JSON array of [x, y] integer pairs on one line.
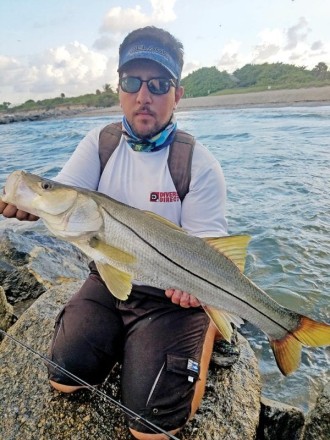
[[182, 365]]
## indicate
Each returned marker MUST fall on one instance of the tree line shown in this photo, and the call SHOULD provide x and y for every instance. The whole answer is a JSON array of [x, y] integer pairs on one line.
[[105, 98], [209, 80], [203, 82]]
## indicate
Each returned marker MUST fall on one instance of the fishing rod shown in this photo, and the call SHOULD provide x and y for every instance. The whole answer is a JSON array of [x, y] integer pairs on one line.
[[100, 393]]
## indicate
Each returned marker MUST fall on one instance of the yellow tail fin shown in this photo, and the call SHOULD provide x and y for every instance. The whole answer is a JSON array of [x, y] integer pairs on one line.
[[287, 351]]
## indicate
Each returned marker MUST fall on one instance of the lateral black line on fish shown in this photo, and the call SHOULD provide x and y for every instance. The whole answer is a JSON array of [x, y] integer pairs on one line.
[[129, 244]]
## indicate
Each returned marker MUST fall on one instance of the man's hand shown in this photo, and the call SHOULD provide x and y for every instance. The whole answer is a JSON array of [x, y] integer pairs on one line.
[[181, 298], [11, 211]]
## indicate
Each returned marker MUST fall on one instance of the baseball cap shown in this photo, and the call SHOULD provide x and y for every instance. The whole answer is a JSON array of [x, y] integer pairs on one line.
[[145, 49]]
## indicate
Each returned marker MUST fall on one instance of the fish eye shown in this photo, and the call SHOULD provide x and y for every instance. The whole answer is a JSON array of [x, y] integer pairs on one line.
[[46, 185]]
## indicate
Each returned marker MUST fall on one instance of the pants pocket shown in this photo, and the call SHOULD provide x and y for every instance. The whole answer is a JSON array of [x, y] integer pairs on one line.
[[174, 386]]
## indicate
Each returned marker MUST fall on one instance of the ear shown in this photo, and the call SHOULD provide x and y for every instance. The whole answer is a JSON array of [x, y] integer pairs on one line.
[[179, 91]]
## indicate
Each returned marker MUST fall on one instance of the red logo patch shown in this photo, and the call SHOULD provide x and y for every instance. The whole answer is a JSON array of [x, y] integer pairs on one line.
[[164, 197]]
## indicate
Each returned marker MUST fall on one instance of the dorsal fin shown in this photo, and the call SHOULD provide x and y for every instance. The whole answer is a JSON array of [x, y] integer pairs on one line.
[[233, 247]]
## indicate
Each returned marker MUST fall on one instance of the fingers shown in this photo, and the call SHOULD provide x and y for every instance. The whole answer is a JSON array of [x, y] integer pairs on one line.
[[11, 211], [181, 298], [23, 215], [8, 211]]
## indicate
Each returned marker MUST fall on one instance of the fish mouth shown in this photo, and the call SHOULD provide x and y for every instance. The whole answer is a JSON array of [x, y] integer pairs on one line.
[[18, 192]]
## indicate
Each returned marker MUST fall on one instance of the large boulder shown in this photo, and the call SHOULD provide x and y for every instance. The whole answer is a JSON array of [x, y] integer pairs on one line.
[[32, 261], [30, 409], [280, 421], [318, 419]]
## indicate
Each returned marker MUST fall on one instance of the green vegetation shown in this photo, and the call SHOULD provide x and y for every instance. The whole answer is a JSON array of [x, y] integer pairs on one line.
[[202, 82], [205, 81], [106, 98], [254, 77]]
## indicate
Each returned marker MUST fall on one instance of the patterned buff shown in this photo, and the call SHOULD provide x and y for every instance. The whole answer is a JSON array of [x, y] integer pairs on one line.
[[157, 142]]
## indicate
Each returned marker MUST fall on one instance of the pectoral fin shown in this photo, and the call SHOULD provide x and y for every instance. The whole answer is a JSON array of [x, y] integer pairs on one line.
[[118, 282], [112, 252], [233, 247]]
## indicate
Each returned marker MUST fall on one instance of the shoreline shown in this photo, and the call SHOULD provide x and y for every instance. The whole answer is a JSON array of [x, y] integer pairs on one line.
[[311, 96]]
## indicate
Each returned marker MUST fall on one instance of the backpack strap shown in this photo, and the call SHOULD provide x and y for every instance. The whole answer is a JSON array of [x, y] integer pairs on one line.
[[179, 161], [108, 141], [179, 158]]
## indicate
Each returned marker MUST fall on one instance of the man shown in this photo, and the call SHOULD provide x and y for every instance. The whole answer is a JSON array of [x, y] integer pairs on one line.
[[164, 340]]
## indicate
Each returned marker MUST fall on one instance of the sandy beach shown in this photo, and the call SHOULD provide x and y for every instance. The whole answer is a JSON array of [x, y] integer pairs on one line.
[[312, 96]]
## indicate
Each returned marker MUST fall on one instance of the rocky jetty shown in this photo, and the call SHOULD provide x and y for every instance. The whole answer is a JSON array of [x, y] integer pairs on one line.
[[317, 425], [31, 261], [32, 265], [39, 115], [32, 410]]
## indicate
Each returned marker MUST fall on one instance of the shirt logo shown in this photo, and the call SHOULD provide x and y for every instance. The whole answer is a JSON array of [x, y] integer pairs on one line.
[[164, 197]]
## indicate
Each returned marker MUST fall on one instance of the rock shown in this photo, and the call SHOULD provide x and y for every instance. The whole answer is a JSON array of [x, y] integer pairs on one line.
[[30, 409], [39, 115], [31, 262], [7, 317], [229, 410], [318, 419], [280, 421]]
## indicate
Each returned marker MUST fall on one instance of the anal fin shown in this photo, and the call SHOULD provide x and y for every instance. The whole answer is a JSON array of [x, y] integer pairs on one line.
[[221, 321]]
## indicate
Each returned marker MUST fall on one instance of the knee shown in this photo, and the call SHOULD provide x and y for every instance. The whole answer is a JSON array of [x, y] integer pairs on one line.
[[65, 388]]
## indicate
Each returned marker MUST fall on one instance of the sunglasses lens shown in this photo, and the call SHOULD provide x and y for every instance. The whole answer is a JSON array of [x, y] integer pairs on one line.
[[130, 84], [159, 86], [156, 86]]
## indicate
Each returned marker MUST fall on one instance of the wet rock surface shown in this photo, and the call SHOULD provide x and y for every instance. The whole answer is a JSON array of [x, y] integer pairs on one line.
[[31, 262], [31, 409], [318, 419]]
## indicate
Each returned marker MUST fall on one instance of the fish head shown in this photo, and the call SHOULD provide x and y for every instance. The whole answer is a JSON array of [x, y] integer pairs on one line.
[[66, 210], [37, 195]]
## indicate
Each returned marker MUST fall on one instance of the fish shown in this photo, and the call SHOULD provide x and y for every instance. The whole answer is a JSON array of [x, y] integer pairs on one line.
[[130, 245]]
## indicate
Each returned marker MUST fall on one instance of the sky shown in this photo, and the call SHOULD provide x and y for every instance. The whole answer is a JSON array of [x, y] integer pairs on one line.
[[50, 47]]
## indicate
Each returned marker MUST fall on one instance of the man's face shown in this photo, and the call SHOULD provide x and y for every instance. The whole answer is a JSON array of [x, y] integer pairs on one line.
[[146, 112]]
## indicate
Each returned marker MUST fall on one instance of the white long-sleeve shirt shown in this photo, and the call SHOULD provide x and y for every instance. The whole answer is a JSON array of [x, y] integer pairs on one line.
[[143, 180]]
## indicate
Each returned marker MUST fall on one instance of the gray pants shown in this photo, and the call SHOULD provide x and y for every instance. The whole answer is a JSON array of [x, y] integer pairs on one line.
[[158, 343]]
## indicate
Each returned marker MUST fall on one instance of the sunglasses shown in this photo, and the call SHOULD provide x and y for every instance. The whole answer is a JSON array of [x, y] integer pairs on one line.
[[156, 86]]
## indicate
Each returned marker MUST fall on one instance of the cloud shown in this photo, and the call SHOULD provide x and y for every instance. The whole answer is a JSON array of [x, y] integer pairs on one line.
[[10, 67], [122, 20], [75, 69], [105, 42], [289, 45], [231, 57], [297, 34], [271, 41], [72, 69], [317, 45], [190, 67]]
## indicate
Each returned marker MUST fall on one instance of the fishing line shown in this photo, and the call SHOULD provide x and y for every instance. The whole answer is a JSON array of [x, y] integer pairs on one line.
[[100, 393]]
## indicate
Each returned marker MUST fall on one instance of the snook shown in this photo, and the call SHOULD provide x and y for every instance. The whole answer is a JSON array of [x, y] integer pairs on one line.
[[129, 244]]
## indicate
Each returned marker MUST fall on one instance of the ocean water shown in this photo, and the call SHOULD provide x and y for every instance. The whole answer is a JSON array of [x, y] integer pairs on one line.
[[277, 167]]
